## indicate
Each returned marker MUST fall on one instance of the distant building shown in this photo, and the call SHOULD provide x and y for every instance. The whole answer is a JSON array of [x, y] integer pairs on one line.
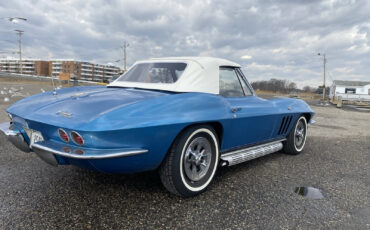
[[41, 68], [29, 66], [350, 90], [78, 69]]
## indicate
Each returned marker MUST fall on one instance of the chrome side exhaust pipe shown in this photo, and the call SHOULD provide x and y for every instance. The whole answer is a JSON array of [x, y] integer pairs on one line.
[[242, 155]]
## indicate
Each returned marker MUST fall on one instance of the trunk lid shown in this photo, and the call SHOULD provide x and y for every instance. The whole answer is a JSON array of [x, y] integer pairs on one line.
[[78, 105]]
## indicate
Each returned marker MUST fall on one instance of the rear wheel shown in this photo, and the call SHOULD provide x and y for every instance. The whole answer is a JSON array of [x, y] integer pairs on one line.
[[191, 164], [296, 139]]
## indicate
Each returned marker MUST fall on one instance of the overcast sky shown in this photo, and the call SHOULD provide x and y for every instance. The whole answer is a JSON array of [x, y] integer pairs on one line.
[[270, 39]]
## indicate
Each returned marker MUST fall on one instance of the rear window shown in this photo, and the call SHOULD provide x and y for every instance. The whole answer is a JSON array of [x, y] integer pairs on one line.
[[161, 72]]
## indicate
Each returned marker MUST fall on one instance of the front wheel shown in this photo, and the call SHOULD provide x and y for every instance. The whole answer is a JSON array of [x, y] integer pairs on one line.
[[192, 161], [297, 137]]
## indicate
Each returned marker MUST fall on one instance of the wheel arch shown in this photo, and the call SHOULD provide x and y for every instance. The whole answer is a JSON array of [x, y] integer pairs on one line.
[[217, 126], [308, 116]]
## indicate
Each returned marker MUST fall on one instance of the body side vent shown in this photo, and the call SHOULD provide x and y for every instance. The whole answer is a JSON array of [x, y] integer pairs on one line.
[[285, 123]]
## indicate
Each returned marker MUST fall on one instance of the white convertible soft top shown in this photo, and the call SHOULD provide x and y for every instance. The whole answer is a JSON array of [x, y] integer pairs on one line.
[[200, 75]]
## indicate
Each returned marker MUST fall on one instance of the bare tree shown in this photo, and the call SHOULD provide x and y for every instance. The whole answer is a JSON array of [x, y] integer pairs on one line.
[[275, 85], [309, 89]]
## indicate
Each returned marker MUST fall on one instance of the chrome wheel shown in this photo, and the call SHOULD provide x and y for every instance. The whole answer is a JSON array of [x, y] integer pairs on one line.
[[197, 158], [300, 134], [192, 161]]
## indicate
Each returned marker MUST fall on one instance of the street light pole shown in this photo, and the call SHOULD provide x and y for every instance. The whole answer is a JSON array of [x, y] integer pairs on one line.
[[20, 32], [14, 19], [324, 85]]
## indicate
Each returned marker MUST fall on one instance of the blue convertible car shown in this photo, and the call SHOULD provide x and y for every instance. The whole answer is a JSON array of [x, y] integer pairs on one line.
[[182, 116]]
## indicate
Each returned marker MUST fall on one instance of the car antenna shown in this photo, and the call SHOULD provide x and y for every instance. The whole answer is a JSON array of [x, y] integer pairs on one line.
[[54, 90]]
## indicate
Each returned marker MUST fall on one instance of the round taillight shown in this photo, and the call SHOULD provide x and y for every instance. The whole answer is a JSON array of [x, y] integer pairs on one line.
[[77, 138], [63, 135]]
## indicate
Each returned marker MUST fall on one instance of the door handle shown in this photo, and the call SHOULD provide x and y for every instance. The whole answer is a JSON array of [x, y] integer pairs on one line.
[[236, 109]]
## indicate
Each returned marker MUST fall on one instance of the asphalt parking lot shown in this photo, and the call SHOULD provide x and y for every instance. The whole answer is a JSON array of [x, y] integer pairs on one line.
[[254, 195]]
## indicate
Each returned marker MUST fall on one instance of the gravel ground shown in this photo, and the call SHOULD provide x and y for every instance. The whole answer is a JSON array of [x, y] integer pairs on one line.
[[18, 91], [256, 195]]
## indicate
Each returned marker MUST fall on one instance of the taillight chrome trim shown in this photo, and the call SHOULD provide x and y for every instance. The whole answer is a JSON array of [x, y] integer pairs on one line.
[[73, 139], [62, 130]]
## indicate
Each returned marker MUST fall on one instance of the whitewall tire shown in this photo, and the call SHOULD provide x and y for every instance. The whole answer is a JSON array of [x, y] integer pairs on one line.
[[192, 161], [296, 139]]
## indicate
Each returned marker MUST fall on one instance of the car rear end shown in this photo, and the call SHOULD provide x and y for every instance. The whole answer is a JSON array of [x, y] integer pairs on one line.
[[100, 151]]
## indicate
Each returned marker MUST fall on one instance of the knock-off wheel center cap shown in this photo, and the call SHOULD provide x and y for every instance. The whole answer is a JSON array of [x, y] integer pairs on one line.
[[197, 159]]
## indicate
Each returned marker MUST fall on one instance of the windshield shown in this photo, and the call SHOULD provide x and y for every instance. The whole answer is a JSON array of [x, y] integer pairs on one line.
[[161, 72]]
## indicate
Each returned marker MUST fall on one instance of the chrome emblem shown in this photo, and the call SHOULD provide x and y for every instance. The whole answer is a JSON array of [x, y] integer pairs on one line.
[[64, 114], [79, 95]]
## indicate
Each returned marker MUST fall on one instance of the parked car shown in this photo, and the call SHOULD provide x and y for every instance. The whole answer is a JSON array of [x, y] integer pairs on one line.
[[181, 116]]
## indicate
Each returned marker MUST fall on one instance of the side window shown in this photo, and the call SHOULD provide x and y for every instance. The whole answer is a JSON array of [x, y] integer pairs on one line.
[[350, 90], [229, 83], [246, 89]]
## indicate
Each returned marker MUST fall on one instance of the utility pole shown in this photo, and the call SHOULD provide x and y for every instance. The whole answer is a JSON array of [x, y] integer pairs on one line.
[[324, 85], [20, 32], [125, 45]]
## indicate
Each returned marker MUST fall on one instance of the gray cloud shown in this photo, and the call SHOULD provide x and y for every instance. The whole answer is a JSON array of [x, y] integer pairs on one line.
[[281, 37]]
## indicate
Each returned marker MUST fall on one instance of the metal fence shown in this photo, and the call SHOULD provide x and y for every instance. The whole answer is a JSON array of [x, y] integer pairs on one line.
[[353, 97]]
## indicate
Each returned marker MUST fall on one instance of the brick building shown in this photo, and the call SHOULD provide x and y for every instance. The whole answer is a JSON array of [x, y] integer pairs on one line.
[[78, 69]]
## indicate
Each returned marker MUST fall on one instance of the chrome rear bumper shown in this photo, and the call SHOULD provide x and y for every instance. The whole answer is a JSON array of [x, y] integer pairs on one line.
[[14, 136], [47, 149]]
